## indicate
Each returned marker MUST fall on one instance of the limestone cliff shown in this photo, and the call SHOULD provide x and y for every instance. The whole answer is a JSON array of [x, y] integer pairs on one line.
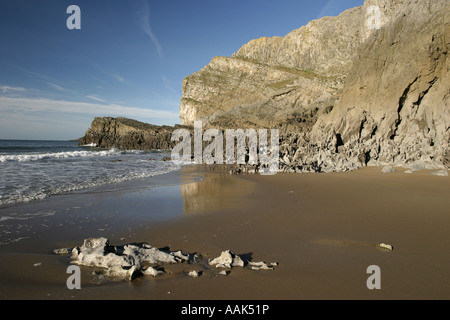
[[123, 133], [273, 80], [395, 107], [346, 91]]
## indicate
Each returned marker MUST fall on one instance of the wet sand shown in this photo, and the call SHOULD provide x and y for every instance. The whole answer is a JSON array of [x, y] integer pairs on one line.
[[322, 229]]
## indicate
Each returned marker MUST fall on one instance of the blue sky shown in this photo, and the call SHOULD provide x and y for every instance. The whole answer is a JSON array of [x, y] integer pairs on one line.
[[128, 59]]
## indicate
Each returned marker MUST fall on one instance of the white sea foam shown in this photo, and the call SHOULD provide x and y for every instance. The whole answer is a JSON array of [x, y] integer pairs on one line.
[[44, 191], [56, 155], [36, 173], [26, 216]]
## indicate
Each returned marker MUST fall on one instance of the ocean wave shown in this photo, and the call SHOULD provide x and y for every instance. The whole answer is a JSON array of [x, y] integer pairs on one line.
[[26, 216], [44, 191], [90, 145], [56, 155], [53, 168]]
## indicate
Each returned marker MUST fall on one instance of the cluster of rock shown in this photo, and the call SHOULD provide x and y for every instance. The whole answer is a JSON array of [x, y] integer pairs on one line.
[[343, 93], [127, 261], [229, 259], [133, 260]]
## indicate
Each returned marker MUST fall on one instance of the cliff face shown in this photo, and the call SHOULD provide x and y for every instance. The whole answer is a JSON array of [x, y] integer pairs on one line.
[[123, 133], [271, 80], [394, 107], [345, 91]]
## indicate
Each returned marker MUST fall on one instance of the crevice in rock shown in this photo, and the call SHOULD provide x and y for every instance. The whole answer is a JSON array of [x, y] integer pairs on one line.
[[361, 127], [339, 142], [374, 131], [401, 103], [424, 93], [366, 157], [282, 94], [328, 109]]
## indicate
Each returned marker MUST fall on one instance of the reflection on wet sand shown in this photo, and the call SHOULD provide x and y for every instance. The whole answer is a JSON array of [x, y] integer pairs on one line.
[[217, 191]]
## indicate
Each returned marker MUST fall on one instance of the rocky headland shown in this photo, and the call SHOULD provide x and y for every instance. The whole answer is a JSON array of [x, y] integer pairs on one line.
[[128, 134], [368, 87]]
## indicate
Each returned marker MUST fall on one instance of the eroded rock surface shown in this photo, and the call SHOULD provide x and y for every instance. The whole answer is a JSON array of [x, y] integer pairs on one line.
[[344, 92], [128, 134], [130, 261]]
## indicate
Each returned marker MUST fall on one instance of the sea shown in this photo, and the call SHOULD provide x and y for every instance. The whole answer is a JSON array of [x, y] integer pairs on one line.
[[33, 170]]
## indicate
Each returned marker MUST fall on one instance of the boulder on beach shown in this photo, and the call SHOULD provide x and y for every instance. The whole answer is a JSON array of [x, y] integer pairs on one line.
[[133, 260], [227, 259], [388, 169], [127, 261]]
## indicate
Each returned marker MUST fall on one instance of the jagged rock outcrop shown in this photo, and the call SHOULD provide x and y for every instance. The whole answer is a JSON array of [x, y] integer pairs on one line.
[[128, 134], [370, 86], [132, 260], [275, 80], [395, 107]]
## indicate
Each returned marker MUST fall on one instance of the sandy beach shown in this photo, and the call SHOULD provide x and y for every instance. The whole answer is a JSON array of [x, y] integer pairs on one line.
[[323, 230]]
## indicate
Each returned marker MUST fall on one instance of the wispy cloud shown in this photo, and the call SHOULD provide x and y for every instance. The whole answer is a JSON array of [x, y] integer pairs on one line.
[[144, 23], [11, 91], [34, 74], [57, 87], [8, 89], [27, 105], [111, 74], [48, 80], [33, 118], [168, 85], [96, 98], [118, 78]]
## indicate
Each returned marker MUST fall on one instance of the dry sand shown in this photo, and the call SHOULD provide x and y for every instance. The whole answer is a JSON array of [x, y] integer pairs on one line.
[[322, 229]]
